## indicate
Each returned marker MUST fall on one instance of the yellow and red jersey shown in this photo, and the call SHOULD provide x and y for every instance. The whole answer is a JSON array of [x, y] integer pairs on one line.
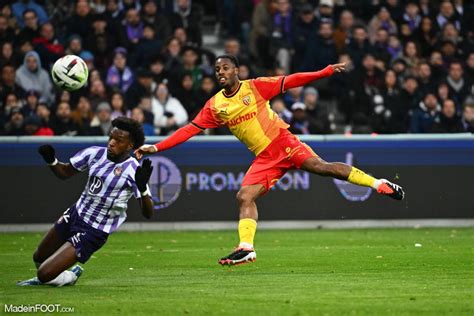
[[246, 112]]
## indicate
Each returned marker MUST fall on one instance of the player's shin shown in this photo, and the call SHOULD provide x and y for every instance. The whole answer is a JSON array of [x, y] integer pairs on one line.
[[359, 177], [247, 230]]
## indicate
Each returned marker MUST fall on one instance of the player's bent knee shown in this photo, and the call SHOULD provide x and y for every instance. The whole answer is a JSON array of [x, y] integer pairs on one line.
[[244, 196], [44, 274]]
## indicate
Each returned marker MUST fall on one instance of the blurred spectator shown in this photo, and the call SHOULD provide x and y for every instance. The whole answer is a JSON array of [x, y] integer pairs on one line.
[[44, 114], [325, 11], [443, 92], [305, 25], [469, 68], [300, 122], [459, 88], [15, 125], [30, 76], [118, 105], [101, 124], [395, 9], [411, 15], [447, 14], [261, 30], [410, 55], [190, 57], [410, 95], [138, 115], [342, 34], [47, 45], [359, 45], [143, 86], [278, 105], [80, 23], [97, 93], [293, 95], [448, 121], [33, 127], [157, 19], [424, 76], [281, 41], [31, 28], [437, 66], [187, 95], [390, 114], [423, 117], [119, 75], [381, 46], [317, 114], [426, 36], [8, 84], [187, 16], [62, 123], [381, 20], [206, 91], [157, 68], [468, 115], [7, 34], [8, 56], [19, 8], [321, 51], [31, 102], [168, 111], [132, 28], [83, 115], [244, 72], [147, 46]]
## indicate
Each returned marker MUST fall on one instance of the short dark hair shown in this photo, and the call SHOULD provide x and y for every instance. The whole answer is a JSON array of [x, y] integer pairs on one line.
[[133, 127], [230, 57]]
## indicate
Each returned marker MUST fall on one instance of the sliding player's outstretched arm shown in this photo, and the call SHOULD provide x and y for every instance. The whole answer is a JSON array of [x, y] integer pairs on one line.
[[62, 170]]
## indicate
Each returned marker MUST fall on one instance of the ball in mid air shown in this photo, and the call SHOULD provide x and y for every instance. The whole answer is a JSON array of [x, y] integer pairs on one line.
[[70, 73]]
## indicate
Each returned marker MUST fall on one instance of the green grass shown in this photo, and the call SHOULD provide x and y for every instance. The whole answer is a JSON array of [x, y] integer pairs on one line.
[[332, 272]]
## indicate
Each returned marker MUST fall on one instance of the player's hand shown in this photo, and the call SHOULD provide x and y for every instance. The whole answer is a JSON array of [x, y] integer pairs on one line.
[[339, 67], [142, 175], [144, 150], [47, 151]]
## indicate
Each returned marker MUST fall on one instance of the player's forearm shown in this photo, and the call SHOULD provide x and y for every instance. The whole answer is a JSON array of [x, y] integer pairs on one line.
[[180, 136], [146, 204], [62, 170], [303, 78]]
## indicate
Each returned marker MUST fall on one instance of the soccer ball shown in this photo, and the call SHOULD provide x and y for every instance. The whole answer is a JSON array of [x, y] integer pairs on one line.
[[70, 73]]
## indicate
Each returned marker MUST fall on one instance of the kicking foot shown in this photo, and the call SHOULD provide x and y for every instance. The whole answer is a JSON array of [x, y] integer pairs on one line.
[[391, 189], [239, 256], [30, 282]]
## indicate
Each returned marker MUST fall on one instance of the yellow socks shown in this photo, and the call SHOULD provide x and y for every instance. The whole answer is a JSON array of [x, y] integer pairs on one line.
[[247, 229], [361, 178]]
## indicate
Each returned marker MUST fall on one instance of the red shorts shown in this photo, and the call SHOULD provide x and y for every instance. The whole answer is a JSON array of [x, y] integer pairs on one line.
[[284, 153]]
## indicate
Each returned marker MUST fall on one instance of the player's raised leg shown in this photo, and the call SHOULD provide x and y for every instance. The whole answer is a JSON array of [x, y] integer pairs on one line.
[[353, 175], [245, 252]]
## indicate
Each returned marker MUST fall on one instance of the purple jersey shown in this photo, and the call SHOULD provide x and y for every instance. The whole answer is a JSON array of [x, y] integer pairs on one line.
[[103, 203]]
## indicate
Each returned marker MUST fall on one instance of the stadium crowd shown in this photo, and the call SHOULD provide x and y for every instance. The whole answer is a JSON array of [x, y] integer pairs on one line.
[[410, 63]]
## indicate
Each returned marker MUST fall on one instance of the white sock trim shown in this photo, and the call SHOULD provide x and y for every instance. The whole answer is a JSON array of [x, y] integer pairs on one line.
[[64, 278], [245, 245]]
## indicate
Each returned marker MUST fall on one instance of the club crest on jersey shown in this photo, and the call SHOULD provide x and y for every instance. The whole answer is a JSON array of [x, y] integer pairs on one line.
[[118, 171], [246, 100]]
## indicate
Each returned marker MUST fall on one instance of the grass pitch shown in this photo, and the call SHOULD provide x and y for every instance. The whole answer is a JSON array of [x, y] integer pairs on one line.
[[330, 272]]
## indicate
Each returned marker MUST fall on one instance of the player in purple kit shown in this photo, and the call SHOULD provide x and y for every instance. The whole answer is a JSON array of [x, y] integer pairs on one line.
[[114, 176]]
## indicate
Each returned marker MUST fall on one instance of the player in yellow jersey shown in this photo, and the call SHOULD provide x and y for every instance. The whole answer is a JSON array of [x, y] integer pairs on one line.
[[243, 106]]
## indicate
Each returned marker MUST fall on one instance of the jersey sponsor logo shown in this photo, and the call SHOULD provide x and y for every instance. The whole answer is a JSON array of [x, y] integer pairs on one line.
[[165, 182], [241, 119], [95, 185], [118, 171]]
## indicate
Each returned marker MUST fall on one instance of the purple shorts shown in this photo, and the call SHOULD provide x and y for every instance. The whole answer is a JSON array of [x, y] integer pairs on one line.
[[85, 239]]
